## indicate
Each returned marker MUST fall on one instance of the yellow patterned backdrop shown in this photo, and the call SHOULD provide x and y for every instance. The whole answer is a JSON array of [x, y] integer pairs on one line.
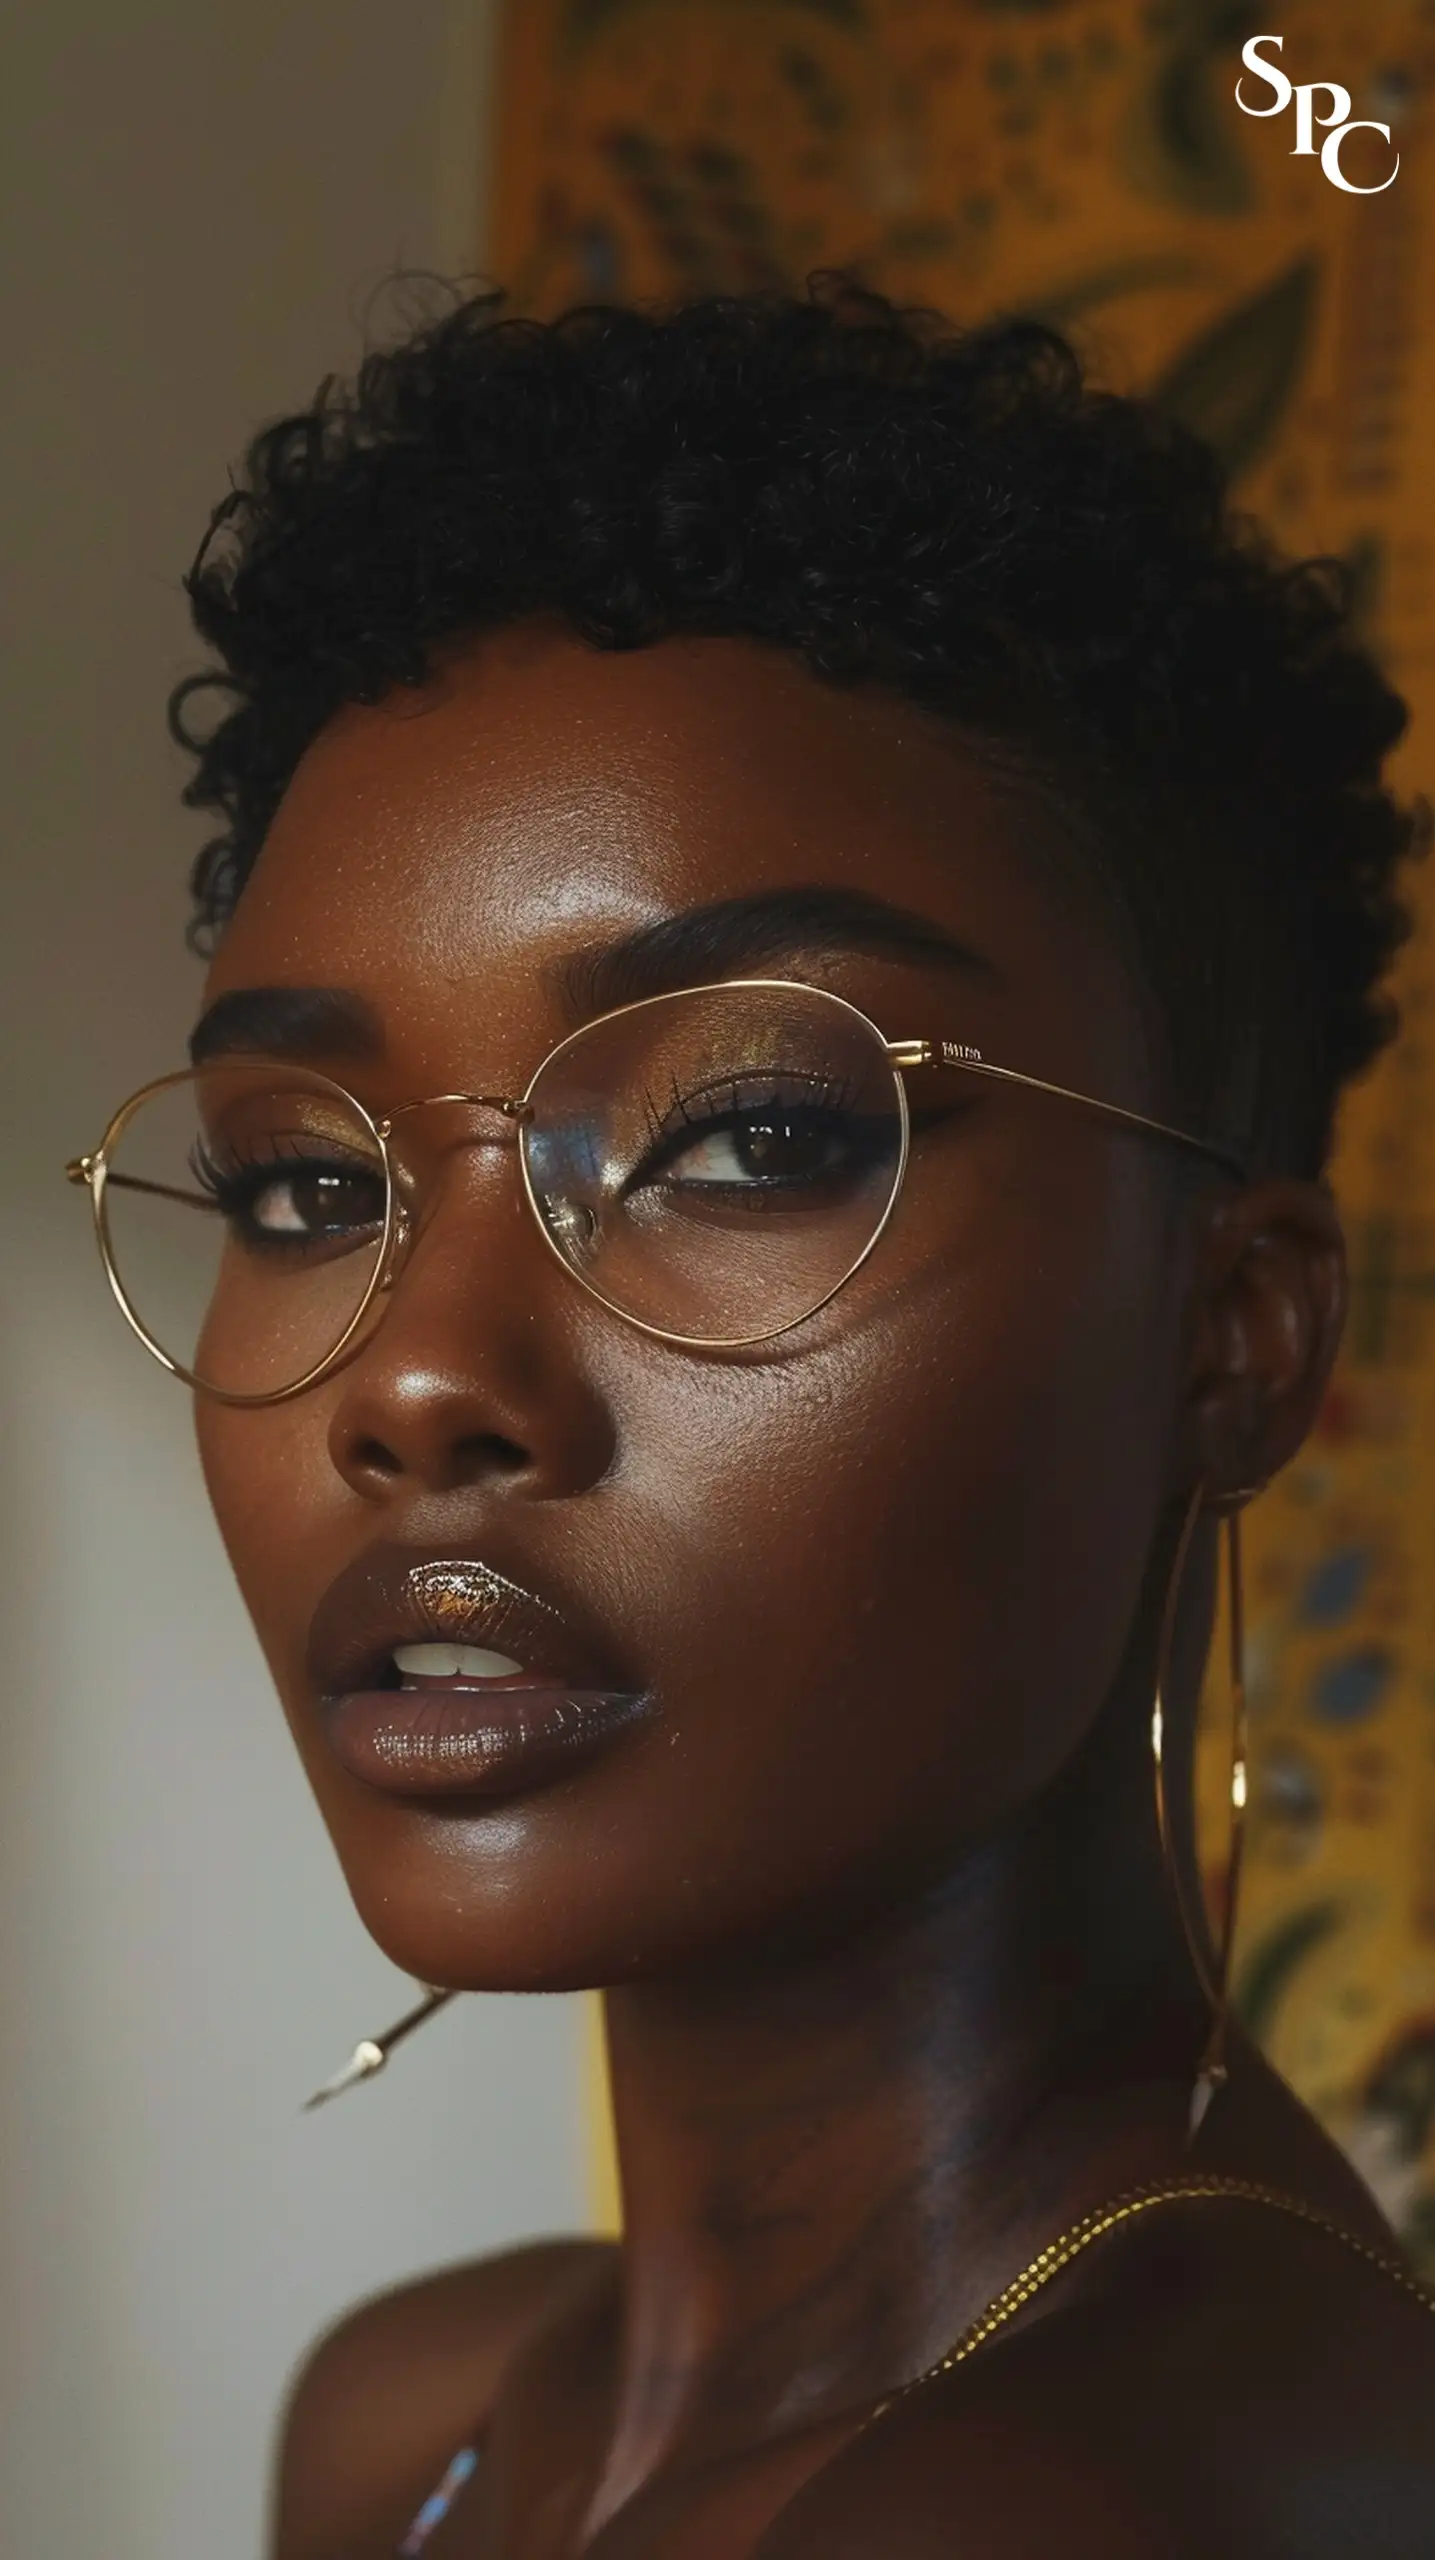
[[1086, 160]]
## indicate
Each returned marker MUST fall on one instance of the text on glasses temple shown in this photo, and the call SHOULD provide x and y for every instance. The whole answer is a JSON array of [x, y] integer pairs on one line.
[[960, 1053]]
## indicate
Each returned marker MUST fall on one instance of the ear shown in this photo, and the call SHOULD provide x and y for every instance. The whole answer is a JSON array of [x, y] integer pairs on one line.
[[1268, 1308]]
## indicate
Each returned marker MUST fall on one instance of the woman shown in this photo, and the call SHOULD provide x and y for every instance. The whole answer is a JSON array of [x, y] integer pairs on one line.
[[793, 902]]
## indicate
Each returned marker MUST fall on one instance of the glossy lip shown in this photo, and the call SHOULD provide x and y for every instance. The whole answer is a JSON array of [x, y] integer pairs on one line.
[[485, 1738]]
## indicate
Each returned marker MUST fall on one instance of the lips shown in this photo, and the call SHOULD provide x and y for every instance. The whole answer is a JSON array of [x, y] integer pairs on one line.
[[560, 1696]]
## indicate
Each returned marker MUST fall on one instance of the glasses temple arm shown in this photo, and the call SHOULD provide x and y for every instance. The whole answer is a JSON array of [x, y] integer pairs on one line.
[[943, 1053], [84, 1168]]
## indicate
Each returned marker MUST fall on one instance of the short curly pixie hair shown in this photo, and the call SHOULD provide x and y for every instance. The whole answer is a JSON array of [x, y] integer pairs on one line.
[[955, 515]]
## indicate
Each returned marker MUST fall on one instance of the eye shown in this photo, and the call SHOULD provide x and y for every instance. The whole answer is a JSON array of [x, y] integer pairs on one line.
[[793, 1137], [315, 1202], [285, 1205], [781, 1143]]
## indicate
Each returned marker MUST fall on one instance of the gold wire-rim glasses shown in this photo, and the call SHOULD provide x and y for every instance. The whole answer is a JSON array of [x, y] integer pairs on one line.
[[94, 1172]]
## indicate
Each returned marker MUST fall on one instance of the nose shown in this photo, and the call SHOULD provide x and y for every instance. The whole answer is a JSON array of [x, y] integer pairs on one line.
[[474, 1371]]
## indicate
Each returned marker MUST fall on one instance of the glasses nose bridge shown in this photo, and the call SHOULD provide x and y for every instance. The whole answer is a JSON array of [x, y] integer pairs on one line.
[[512, 1105], [408, 1213]]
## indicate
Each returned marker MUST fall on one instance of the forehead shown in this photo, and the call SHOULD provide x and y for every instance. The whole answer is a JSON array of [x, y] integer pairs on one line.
[[538, 796]]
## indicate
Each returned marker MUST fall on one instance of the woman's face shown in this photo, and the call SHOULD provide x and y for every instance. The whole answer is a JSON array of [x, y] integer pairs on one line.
[[866, 1585]]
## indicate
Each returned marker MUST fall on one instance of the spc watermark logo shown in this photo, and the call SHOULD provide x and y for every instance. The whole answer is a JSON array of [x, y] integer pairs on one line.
[[1339, 121]]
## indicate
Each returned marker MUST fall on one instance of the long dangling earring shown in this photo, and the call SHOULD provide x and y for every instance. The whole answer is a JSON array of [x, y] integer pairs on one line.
[[1211, 2071], [372, 2052]]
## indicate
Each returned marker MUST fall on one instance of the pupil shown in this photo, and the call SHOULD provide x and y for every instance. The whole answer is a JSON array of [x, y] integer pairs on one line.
[[318, 1200], [780, 1146], [314, 1196]]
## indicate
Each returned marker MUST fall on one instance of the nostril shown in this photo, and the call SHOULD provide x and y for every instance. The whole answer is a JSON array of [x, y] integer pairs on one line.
[[373, 1458], [373, 1466], [488, 1449]]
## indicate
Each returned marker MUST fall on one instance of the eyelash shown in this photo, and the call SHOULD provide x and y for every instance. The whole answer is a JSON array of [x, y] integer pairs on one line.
[[728, 1102]]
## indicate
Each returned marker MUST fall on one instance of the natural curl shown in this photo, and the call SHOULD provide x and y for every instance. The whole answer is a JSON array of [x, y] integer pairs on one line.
[[955, 515]]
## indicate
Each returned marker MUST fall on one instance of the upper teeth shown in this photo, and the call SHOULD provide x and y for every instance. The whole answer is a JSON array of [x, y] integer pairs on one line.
[[441, 1661]]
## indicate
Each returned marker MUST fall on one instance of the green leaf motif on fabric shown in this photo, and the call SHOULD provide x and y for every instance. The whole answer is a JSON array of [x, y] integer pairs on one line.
[[1232, 383], [1063, 303], [1183, 140], [1274, 1961]]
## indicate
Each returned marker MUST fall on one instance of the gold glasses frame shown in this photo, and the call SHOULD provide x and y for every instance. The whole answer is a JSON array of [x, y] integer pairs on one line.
[[94, 1172]]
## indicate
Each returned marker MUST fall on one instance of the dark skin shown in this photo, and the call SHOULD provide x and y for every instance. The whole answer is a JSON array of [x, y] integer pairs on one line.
[[896, 1988]]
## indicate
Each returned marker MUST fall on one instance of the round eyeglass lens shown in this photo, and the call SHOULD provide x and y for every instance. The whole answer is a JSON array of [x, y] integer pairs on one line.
[[714, 1164], [244, 1211]]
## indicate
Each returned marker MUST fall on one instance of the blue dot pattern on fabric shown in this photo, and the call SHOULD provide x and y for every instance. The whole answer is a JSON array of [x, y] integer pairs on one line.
[[1335, 1586], [460, 2471], [1353, 1685]]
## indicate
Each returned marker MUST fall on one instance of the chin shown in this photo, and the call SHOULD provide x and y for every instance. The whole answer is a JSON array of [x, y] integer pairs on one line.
[[508, 1898]]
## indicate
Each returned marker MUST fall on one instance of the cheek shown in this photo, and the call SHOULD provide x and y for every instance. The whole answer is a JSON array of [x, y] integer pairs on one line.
[[270, 1479], [910, 1561]]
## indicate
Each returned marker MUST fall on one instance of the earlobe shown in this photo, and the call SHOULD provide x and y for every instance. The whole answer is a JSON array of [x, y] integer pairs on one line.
[[1268, 1309]]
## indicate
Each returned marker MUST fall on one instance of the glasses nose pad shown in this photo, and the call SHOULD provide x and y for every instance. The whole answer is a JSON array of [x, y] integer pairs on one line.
[[401, 1235], [573, 1226]]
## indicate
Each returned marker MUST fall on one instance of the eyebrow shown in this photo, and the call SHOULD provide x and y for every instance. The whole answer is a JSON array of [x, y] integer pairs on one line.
[[288, 1022], [736, 934], [720, 940]]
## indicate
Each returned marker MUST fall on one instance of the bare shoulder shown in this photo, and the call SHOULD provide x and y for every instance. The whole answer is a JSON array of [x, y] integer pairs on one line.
[[1226, 2388], [389, 2394]]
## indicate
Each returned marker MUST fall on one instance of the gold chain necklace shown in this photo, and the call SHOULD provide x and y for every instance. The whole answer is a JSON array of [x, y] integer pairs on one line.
[[1048, 2262], [1104, 2218]]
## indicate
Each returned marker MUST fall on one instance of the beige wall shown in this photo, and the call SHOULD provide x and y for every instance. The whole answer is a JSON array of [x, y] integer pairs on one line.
[[203, 195]]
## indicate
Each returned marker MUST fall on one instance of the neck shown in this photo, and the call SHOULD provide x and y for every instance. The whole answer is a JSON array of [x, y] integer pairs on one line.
[[832, 2159]]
